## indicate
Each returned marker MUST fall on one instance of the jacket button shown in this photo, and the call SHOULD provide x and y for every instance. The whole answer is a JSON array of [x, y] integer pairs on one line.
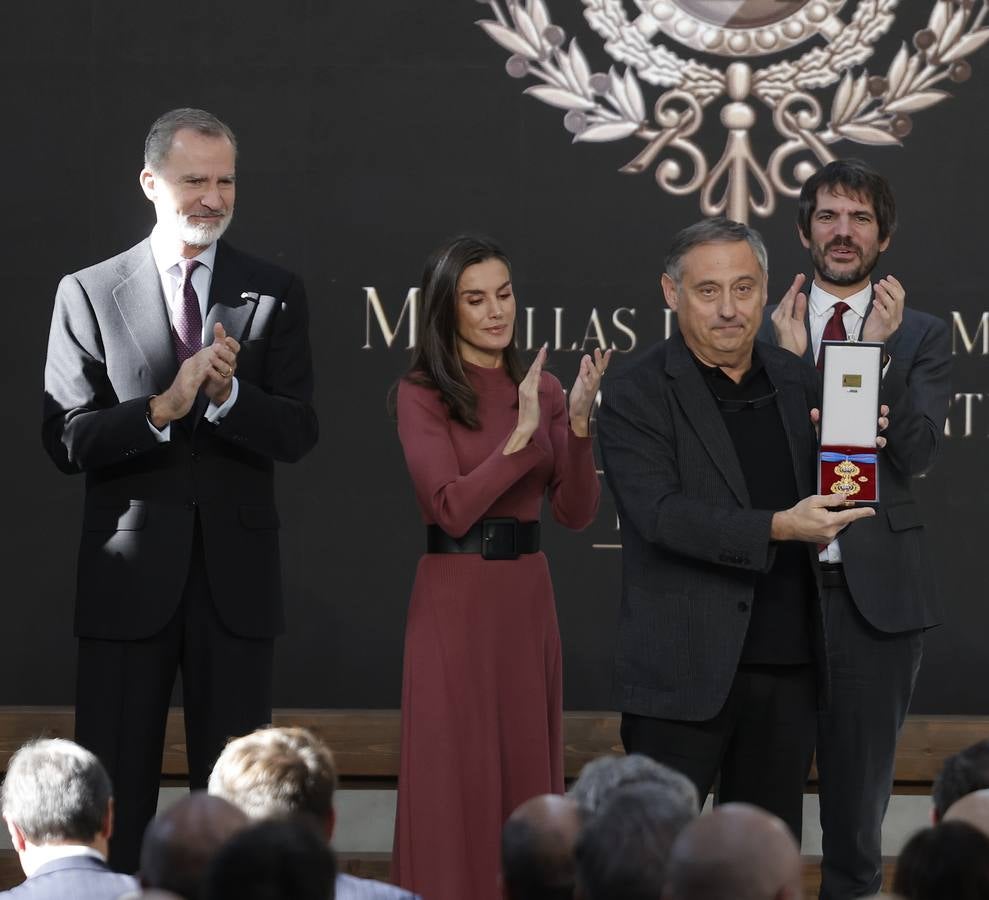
[[192, 504], [194, 454], [743, 606]]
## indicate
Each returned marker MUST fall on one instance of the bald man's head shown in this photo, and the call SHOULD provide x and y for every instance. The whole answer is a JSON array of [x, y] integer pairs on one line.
[[537, 849], [972, 808], [737, 852], [180, 843]]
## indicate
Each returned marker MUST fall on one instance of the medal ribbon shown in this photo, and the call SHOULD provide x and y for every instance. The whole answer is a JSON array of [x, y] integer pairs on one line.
[[828, 456]]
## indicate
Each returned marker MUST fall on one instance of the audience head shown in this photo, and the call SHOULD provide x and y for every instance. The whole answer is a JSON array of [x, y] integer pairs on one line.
[[607, 773], [277, 859], [950, 860], [737, 852], [537, 849], [972, 808], [965, 772], [623, 849], [276, 772], [180, 843], [56, 792]]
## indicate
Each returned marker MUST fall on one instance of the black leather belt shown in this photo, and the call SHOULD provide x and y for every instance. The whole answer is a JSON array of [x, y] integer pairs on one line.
[[833, 575], [493, 538]]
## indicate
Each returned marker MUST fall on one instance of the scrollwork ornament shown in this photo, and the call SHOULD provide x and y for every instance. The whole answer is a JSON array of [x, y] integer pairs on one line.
[[865, 107]]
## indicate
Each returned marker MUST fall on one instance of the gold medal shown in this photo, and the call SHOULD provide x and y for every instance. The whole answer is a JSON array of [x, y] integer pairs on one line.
[[847, 469], [845, 487]]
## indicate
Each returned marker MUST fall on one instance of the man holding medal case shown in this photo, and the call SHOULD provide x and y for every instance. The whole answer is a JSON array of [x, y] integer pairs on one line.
[[879, 592]]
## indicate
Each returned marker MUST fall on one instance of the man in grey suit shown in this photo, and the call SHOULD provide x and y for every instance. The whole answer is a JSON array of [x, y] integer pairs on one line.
[[58, 808], [879, 586], [178, 372], [708, 446]]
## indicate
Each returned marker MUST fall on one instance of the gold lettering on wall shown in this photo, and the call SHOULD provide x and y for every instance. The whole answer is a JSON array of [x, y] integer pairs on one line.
[[959, 333], [604, 328], [373, 305]]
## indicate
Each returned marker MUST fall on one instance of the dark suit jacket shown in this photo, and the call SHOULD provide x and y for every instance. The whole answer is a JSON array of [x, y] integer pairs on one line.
[[887, 562], [110, 348], [78, 877], [691, 543]]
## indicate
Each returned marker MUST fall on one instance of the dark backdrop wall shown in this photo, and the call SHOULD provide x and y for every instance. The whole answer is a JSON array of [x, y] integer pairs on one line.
[[369, 131]]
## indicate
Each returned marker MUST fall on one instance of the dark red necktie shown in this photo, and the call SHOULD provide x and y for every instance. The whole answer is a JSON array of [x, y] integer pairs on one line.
[[834, 330], [187, 319]]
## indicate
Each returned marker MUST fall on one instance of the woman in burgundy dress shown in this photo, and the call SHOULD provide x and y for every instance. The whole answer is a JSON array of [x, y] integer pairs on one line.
[[482, 689]]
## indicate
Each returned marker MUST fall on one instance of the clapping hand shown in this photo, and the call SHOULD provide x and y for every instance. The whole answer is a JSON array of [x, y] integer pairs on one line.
[[528, 420], [585, 389], [222, 365], [790, 317], [888, 299]]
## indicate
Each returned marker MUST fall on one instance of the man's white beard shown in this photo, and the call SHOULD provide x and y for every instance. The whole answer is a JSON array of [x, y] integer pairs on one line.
[[204, 233]]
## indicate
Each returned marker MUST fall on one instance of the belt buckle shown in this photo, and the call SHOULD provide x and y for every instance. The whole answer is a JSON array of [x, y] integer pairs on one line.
[[499, 538]]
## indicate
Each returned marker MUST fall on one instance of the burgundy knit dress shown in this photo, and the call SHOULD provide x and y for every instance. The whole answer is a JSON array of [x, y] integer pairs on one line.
[[482, 687]]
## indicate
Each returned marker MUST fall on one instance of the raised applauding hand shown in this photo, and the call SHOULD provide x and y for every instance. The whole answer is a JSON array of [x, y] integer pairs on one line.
[[585, 389]]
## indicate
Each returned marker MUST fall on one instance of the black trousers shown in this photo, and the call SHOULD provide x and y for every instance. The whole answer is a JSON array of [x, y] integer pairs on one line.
[[761, 742], [123, 690], [872, 679]]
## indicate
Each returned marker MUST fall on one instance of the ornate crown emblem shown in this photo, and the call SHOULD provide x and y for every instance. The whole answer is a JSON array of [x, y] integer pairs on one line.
[[865, 108]]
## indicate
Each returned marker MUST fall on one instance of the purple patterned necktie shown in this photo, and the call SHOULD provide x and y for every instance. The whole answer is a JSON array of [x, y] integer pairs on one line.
[[187, 320]]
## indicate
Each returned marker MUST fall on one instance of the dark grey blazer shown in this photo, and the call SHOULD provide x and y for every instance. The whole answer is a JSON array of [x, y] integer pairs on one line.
[[109, 349], [76, 877], [691, 543], [887, 561]]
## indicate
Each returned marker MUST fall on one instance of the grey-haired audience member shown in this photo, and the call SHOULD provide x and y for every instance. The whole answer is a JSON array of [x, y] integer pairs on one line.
[[737, 852], [58, 805], [537, 849], [963, 773], [623, 850], [947, 862], [180, 843], [289, 771], [605, 774], [276, 859]]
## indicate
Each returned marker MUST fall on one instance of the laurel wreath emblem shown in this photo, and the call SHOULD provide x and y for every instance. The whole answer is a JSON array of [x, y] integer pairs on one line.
[[865, 108]]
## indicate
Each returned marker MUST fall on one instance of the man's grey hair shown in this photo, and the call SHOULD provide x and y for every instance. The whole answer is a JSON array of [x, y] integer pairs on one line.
[[276, 772], [713, 231], [56, 790], [603, 776], [158, 143]]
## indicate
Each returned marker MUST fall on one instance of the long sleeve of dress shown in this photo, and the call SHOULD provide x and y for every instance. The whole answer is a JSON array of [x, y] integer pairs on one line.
[[575, 490], [452, 499]]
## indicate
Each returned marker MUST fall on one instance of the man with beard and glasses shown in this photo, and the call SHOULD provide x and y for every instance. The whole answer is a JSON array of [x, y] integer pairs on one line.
[[177, 373], [879, 586]]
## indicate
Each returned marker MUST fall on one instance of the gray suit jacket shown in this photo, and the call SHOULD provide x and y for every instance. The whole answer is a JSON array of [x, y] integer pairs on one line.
[[887, 561], [78, 877], [110, 348], [691, 542]]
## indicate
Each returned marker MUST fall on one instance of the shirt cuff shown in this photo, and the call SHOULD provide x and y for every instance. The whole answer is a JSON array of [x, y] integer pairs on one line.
[[162, 436], [214, 413]]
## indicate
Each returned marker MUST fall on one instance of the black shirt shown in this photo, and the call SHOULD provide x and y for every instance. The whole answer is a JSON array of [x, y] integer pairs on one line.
[[780, 628]]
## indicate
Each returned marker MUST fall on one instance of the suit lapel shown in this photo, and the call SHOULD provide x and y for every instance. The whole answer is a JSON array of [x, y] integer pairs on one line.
[[701, 411], [230, 303], [138, 297]]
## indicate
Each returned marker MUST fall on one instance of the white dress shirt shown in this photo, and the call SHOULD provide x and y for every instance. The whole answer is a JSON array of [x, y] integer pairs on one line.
[[167, 261], [38, 855]]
